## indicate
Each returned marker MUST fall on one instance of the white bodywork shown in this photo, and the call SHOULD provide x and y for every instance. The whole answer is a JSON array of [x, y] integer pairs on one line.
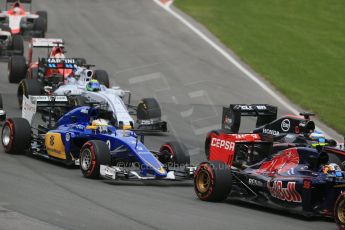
[[113, 96], [14, 20]]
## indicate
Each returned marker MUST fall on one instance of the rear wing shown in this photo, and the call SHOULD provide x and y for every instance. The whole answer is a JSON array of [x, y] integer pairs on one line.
[[66, 63], [30, 105], [231, 118], [47, 42]]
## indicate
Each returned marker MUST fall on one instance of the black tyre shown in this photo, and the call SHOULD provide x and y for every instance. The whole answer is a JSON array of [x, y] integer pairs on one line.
[[18, 44], [102, 77], [16, 135], [1, 104], [93, 154], [212, 181], [44, 15], [16, 69], [28, 87], [40, 26], [174, 152], [339, 211], [148, 108]]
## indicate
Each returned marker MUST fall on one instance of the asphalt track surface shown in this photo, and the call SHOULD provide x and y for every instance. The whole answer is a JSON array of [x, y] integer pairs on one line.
[[149, 52]]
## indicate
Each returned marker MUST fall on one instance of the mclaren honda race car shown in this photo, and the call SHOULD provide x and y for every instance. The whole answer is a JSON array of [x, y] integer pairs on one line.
[[297, 179], [83, 136], [10, 44], [289, 130], [17, 20]]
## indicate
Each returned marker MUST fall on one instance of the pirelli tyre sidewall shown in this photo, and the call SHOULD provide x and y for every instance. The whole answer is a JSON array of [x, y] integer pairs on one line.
[[339, 211], [16, 135], [93, 154], [212, 181]]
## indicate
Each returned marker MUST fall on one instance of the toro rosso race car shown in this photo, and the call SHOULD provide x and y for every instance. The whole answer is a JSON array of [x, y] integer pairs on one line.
[[10, 44], [83, 136], [290, 129], [19, 21]]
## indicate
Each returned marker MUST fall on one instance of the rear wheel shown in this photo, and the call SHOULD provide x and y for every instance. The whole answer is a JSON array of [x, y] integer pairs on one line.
[[148, 108], [16, 135], [18, 44], [174, 152], [16, 69], [93, 154], [28, 87], [212, 181], [44, 15], [102, 77], [40, 26], [339, 211]]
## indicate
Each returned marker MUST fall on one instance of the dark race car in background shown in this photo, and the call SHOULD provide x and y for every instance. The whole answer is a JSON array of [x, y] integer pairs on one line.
[[296, 179], [19, 21]]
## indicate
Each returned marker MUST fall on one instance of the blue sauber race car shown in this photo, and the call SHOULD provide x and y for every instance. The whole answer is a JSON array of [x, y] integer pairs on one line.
[[83, 136], [293, 178]]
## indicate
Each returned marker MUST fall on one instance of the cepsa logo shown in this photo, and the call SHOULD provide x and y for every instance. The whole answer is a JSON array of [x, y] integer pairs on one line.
[[223, 144], [287, 194]]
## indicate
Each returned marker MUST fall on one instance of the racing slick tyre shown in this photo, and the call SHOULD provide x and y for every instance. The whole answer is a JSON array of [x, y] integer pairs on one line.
[[93, 154], [339, 211], [28, 87], [102, 77], [40, 26], [174, 152], [212, 181], [16, 69], [18, 44], [16, 135], [148, 108], [44, 15]]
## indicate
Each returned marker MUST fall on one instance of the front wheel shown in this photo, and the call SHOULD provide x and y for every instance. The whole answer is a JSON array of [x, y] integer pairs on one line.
[[174, 152], [102, 77], [93, 154], [212, 181], [16, 135], [339, 211]]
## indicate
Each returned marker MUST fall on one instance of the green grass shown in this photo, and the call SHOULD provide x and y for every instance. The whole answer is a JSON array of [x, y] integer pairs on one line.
[[298, 45]]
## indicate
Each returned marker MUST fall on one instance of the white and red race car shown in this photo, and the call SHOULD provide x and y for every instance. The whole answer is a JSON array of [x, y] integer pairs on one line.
[[17, 20]]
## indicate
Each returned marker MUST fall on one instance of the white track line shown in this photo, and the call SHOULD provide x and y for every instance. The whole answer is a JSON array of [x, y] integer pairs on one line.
[[166, 6]]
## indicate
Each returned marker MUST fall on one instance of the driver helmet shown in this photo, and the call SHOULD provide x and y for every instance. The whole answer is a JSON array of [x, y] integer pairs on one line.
[[100, 122], [317, 136], [331, 168], [93, 86], [16, 8], [57, 52]]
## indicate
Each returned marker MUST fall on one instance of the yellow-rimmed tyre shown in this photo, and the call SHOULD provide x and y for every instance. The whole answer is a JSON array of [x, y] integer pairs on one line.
[[339, 211], [212, 181]]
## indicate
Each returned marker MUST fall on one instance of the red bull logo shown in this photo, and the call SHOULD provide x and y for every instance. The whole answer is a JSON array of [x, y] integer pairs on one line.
[[287, 194]]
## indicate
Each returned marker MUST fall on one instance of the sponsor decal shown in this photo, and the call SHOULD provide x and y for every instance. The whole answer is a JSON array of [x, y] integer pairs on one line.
[[271, 132], [288, 194], [59, 60], [285, 125], [223, 144], [254, 182]]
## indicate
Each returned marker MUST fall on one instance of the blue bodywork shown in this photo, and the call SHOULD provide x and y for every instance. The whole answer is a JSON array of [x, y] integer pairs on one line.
[[75, 129]]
